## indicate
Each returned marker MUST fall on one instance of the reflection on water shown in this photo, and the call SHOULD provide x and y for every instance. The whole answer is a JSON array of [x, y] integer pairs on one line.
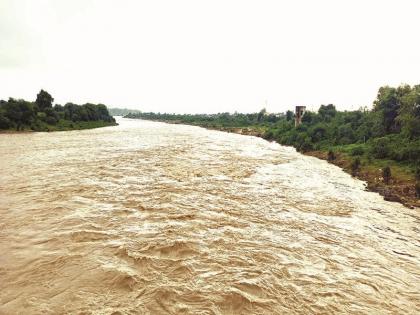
[[150, 218]]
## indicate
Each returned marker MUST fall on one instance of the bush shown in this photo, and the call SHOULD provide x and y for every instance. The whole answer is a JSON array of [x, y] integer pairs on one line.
[[305, 146], [318, 132], [357, 151], [5, 122], [401, 151], [380, 148], [417, 174], [50, 120], [41, 116], [413, 152], [417, 189], [268, 135], [331, 156], [386, 174], [355, 166]]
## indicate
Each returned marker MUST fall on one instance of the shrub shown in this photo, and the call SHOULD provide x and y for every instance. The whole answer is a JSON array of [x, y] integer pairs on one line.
[[5, 122], [318, 132], [417, 173], [305, 146], [358, 150], [41, 116], [355, 166], [417, 189], [414, 152], [405, 151], [331, 156], [386, 174], [380, 148], [50, 120], [268, 135]]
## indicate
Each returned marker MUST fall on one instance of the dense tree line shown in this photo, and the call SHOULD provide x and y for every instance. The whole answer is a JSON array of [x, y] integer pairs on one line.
[[214, 120], [20, 114], [390, 130], [121, 111]]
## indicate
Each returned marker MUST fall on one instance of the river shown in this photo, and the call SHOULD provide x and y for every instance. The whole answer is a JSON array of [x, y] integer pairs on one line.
[[153, 218]]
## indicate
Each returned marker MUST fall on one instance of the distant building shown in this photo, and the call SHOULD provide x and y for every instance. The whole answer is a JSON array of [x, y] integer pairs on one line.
[[299, 112]]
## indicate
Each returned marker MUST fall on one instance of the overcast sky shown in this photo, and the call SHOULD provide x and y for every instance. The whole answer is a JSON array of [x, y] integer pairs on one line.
[[208, 56]]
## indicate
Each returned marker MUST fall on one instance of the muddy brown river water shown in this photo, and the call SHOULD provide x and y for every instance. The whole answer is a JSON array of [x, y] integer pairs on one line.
[[151, 218]]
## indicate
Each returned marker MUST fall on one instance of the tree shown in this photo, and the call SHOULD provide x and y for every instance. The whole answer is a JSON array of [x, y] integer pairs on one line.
[[261, 114], [409, 113], [345, 134], [319, 132], [309, 117], [5, 122], [44, 100], [289, 115], [51, 116], [388, 102], [327, 111], [19, 111]]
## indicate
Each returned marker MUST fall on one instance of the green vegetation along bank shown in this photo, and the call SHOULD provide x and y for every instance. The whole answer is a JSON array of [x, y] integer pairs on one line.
[[115, 111], [41, 115], [380, 145]]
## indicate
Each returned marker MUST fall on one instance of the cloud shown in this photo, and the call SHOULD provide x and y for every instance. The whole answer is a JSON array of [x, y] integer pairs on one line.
[[208, 56]]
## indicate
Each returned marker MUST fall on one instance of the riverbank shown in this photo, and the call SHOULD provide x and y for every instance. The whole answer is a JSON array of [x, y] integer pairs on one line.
[[66, 125], [63, 125], [18, 115]]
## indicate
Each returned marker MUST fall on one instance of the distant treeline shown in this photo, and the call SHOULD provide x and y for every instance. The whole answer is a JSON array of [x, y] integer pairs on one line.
[[216, 120], [121, 111], [41, 115], [390, 130]]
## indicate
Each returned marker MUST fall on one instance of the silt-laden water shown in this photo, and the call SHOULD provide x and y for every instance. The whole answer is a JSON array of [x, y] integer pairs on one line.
[[152, 218]]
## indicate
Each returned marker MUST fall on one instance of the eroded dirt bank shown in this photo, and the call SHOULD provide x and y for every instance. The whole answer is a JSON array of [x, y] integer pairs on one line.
[[151, 218]]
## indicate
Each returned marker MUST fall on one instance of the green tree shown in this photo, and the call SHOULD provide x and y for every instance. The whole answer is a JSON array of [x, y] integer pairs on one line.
[[319, 132], [309, 117], [409, 113], [261, 114], [327, 112], [5, 122], [388, 102], [20, 112], [44, 100]]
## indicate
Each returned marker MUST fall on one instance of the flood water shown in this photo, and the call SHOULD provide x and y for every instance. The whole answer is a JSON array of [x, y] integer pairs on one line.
[[152, 218]]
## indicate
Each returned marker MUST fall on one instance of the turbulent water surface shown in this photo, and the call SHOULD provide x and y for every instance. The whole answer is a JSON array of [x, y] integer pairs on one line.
[[151, 218]]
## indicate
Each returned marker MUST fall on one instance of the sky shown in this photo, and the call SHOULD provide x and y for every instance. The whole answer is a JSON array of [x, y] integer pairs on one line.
[[208, 56]]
